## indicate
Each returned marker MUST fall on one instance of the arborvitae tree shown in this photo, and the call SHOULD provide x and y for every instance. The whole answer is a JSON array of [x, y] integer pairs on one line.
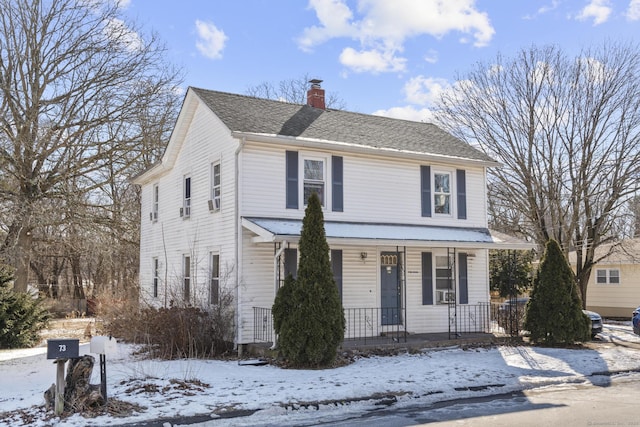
[[554, 312], [510, 271], [308, 313], [22, 316]]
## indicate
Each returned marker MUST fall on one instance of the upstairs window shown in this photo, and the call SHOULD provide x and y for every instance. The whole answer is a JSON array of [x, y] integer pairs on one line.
[[185, 211], [609, 276], [442, 193], [314, 176], [214, 204], [155, 202]]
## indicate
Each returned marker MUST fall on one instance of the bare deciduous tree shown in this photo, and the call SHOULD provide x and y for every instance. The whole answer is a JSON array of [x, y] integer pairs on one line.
[[567, 131], [294, 91], [74, 76]]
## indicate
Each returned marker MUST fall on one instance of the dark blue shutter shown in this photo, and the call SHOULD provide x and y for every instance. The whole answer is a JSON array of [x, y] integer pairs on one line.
[[292, 179], [425, 189], [427, 279], [336, 267], [291, 262], [461, 181], [337, 204], [463, 280]]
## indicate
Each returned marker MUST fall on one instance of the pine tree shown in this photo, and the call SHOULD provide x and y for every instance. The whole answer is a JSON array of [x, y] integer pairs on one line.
[[554, 312], [22, 316], [308, 313]]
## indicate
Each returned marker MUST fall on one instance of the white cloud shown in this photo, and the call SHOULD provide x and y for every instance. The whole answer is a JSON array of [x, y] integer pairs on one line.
[[424, 90], [407, 113], [633, 12], [598, 10], [211, 40], [118, 31], [373, 61], [384, 26]]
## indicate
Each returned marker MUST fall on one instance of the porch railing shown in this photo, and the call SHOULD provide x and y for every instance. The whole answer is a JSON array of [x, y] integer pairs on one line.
[[469, 319], [380, 325]]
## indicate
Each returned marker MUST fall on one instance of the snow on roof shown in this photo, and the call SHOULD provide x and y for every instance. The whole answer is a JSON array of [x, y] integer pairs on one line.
[[278, 229]]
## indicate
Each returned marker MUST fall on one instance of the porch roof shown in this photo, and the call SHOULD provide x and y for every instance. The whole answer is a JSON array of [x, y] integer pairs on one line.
[[361, 233]]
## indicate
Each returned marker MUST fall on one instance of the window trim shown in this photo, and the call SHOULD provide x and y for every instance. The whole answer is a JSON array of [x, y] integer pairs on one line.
[[186, 277], [186, 196], [216, 198], [435, 193], [607, 276], [214, 297], [324, 200], [155, 202], [155, 277]]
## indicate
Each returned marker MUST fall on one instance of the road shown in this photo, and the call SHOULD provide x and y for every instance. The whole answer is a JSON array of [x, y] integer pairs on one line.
[[566, 405]]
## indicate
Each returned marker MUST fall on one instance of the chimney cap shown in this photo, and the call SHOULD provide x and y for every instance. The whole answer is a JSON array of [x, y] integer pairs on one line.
[[315, 82]]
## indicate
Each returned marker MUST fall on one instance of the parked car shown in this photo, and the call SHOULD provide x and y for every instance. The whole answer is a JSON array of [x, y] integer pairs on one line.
[[635, 319], [511, 315], [596, 322]]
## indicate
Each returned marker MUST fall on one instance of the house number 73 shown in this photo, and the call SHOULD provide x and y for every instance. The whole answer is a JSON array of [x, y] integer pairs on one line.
[[62, 348]]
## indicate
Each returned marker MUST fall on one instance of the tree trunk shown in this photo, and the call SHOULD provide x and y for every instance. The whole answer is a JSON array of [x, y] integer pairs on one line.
[[79, 395]]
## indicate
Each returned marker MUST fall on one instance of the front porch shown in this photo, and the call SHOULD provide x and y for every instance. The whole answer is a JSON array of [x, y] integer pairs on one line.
[[365, 327]]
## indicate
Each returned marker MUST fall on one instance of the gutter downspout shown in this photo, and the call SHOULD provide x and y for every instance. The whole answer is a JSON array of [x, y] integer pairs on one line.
[[238, 238], [276, 284]]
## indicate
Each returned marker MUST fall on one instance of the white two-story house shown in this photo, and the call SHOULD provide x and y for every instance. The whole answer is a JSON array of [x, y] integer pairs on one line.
[[404, 203]]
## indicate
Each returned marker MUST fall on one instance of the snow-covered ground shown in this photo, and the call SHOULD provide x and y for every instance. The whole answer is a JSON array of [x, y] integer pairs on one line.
[[185, 388]]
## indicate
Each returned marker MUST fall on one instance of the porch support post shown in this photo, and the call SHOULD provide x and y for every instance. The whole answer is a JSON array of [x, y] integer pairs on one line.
[[276, 281]]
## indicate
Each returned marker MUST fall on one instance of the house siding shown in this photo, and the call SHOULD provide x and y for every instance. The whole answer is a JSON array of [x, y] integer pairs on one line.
[[171, 236], [375, 189], [615, 300]]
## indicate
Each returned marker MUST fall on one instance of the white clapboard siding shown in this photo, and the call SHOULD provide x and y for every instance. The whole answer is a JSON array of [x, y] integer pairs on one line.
[[376, 189]]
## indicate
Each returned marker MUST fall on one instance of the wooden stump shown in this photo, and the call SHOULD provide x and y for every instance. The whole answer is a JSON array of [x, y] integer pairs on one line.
[[79, 395]]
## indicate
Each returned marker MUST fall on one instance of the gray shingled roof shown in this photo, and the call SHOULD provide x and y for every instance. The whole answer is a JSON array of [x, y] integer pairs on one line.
[[264, 116]]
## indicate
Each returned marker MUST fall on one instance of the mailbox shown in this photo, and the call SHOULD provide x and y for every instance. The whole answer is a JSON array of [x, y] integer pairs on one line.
[[103, 345], [63, 349]]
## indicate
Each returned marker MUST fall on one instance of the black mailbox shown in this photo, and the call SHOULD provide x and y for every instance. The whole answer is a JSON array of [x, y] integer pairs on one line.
[[63, 349]]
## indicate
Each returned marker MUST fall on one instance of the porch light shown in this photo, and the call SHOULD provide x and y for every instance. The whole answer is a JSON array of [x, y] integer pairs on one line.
[[363, 256]]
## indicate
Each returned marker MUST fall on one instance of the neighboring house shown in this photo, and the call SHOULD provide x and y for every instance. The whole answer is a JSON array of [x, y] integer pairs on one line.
[[404, 202], [614, 285]]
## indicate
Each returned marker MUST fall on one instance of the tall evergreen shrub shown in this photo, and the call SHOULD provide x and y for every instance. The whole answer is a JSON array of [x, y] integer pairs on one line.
[[308, 314], [554, 311], [22, 315]]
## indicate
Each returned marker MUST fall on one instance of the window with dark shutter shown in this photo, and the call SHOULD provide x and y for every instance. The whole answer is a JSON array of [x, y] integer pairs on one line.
[[427, 279], [292, 179], [463, 280], [336, 184], [461, 184], [425, 190]]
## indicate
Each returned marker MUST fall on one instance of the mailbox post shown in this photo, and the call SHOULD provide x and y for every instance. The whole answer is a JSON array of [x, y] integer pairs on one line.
[[61, 351], [103, 345]]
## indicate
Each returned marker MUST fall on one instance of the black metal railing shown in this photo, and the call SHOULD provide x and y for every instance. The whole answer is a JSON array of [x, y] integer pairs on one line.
[[366, 324], [469, 319], [262, 325]]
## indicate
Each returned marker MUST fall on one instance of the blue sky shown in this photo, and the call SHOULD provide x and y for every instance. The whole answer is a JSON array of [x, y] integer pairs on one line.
[[385, 57]]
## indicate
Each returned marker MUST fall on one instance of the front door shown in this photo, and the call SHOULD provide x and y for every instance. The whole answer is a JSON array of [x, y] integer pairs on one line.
[[390, 295]]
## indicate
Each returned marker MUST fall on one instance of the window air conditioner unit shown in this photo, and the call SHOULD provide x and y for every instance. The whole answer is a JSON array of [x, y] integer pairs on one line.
[[153, 216], [214, 204], [181, 212], [210, 204]]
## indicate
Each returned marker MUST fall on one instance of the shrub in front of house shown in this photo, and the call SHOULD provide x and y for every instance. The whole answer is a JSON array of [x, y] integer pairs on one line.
[[22, 315], [308, 314], [554, 312], [177, 331]]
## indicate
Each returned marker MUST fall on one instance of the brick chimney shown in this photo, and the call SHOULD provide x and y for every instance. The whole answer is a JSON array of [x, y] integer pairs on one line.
[[315, 95]]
